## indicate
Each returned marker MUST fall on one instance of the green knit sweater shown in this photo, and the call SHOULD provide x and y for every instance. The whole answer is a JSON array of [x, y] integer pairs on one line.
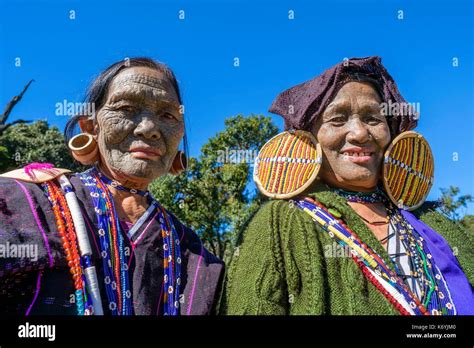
[[285, 264]]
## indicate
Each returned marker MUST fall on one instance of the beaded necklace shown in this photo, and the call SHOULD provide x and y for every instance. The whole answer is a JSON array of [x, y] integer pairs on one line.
[[371, 264], [361, 197], [66, 230], [376, 270], [115, 184], [435, 294], [112, 251], [114, 260]]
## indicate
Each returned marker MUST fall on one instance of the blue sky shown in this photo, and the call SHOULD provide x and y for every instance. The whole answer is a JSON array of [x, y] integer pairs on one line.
[[63, 55]]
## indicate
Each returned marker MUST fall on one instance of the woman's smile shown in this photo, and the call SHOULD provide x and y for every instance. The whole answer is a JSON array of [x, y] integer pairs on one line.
[[357, 155]]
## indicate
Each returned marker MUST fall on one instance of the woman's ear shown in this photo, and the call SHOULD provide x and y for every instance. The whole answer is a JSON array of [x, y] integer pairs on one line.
[[87, 125]]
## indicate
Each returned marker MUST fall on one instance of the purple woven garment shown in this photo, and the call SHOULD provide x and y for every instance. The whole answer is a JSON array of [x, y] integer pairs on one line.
[[458, 284], [304, 103]]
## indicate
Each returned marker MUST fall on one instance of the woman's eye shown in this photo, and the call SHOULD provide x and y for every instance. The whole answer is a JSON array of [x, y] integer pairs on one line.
[[338, 120], [169, 116], [127, 108], [373, 120]]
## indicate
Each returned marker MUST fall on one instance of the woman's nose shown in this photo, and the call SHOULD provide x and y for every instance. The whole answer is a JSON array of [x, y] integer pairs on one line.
[[148, 129], [358, 132]]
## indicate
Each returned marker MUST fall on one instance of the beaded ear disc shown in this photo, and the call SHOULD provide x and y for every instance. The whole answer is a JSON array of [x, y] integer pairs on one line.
[[408, 170], [287, 164]]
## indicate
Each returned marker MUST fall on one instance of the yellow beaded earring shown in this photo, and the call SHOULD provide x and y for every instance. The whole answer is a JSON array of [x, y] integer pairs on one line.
[[287, 164], [408, 170]]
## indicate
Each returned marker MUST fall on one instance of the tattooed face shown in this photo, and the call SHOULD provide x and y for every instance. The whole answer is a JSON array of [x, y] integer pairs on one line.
[[140, 126], [353, 135]]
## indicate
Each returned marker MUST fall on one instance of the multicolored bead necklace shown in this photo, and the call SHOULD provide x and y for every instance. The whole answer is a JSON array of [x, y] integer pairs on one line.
[[66, 230], [435, 294], [371, 264], [112, 251], [114, 260], [115, 184], [376, 270], [376, 196]]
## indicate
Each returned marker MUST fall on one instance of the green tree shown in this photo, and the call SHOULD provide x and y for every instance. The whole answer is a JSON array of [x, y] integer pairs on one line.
[[452, 202], [214, 197], [468, 221], [37, 142]]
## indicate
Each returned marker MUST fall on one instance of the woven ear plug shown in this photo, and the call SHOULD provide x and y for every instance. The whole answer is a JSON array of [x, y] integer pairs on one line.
[[287, 164], [408, 170]]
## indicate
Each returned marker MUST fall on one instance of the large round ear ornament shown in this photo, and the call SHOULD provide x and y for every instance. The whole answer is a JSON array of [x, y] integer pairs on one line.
[[84, 148], [180, 163], [408, 170], [287, 164]]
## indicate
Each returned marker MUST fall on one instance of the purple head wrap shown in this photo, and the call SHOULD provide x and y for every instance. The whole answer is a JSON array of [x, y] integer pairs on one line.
[[301, 105]]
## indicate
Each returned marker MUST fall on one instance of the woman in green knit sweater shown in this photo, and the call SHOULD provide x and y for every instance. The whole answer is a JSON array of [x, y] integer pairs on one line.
[[289, 261]]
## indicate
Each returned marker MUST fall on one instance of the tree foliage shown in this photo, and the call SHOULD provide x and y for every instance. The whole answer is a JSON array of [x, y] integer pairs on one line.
[[37, 142], [214, 197], [468, 221], [452, 202]]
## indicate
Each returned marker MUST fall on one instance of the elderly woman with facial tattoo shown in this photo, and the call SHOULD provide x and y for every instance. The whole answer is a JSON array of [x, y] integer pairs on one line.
[[103, 244], [348, 231]]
